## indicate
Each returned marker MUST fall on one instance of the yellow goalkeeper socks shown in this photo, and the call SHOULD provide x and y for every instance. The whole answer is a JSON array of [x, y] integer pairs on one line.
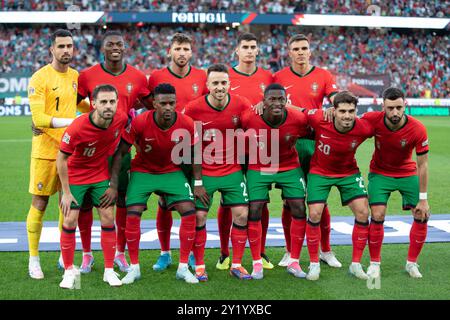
[[60, 220], [34, 228]]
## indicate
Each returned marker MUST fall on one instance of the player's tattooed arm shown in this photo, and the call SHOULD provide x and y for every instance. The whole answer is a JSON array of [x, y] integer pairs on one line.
[[422, 209], [67, 197]]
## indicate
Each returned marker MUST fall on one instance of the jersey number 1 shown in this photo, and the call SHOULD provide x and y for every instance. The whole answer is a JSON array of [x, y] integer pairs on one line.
[[57, 103]]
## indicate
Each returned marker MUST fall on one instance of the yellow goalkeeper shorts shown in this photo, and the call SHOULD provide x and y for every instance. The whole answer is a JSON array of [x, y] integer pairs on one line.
[[44, 180]]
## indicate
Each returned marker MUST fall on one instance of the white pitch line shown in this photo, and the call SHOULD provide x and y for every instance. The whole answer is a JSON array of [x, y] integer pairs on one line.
[[6, 241]]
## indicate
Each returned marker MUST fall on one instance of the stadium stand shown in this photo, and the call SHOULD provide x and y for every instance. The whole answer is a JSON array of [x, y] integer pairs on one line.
[[415, 61]]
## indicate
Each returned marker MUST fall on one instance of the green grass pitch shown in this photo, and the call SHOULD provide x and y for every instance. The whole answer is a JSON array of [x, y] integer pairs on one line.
[[15, 147]]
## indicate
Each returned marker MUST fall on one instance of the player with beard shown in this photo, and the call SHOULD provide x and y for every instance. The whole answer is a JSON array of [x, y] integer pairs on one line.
[[392, 169], [53, 103], [131, 85], [189, 83], [249, 81]]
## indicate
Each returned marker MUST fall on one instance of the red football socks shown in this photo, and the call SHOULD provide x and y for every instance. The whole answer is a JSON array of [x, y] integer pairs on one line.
[[85, 220], [238, 241], [286, 219], [265, 226], [164, 223], [376, 235], [312, 240], [108, 242], [67, 241], [199, 245], [254, 239], [325, 230], [359, 239], [121, 222], [187, 235], [298, 229], [133, 235], [224, 221], [417, 237]]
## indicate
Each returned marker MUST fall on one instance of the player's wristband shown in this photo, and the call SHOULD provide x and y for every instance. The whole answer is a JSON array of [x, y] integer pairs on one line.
[[198, 183], [423, 196]]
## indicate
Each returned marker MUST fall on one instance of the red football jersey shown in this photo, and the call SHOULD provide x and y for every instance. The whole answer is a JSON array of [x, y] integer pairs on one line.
[[187, 88], [334, 155], [219, 155], [259, 133], [89, 147], [306, 91], [131, 84], [393, 149], [251, 86], [154, 145]]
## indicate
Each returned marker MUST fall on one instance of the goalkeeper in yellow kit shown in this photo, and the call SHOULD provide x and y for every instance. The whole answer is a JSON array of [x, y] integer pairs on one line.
[[52, 94]]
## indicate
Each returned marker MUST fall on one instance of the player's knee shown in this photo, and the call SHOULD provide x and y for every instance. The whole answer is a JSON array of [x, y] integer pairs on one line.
[[298, 209], [255, 211], [240, 216], [39, 202], [201, 218], [315, 216], [70, 221], [185, 208], [377, 213], [362, 215]]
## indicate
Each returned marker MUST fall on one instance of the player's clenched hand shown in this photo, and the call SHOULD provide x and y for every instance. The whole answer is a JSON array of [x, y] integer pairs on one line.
[[66, 201], [108, 198], [422, 210], [259, 108], [200, 193], [35, 130], [328, 115]]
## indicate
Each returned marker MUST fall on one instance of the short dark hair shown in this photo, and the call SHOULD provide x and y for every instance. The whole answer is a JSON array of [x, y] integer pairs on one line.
[[164, 88], [247, 36], [273, 86], [103, 88], [181, 38], [218, 67], [111, 33], [61, 33], [344, 97], [297, 37], [393, 93]]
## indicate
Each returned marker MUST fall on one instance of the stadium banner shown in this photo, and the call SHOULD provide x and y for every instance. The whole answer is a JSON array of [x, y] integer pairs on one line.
[[364, 85], [14, 84], [15, 110]]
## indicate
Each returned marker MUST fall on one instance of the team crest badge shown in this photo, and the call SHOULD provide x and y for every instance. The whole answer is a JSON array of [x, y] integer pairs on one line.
[[314, 87], [195, 88], [74, 85], [129, 88], [403, 143], [66, 138], [263, 87], [354, 144], [235, 119], [40, 185]]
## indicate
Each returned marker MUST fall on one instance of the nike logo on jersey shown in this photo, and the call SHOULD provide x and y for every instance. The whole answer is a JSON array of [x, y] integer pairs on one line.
[[322, 136], [92, 143], [234, 88], [205, 123], [54, 88], [150, 139], [285, 88]]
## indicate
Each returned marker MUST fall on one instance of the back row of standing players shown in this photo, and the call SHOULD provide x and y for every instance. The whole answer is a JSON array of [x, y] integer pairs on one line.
[[303, 86]]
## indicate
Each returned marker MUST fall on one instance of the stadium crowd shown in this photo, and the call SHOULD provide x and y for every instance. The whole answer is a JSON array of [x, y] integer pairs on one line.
[[415, 62], [432, 8]]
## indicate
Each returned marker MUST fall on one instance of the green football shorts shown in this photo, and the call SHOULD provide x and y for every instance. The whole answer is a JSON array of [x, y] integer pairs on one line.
[[232, 187], [95, 190], [350, 188], [380, 188], [173, 186], [291, 182], [305, 149]]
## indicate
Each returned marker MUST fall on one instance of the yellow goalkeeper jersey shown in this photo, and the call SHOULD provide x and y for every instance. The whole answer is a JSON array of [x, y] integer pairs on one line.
[[51, 94]]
